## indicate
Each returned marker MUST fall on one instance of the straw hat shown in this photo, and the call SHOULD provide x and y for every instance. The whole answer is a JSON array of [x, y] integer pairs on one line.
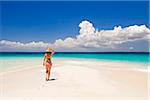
[[49, 50]]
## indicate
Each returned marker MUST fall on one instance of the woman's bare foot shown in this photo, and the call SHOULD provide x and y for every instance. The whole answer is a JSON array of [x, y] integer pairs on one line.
[[46, 79]]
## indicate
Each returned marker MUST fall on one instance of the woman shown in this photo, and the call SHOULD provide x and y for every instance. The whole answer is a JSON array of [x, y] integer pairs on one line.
[[47, 62]]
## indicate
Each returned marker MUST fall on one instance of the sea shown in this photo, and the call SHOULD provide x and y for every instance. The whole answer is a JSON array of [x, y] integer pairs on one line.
[[10, 60]]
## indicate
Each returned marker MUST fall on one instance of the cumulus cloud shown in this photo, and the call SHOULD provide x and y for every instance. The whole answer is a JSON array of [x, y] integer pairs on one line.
[[87, 39], [6, 45], [90, 38], [86, 28]]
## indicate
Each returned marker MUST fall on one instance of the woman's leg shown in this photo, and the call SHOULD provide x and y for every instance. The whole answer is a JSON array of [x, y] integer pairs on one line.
[[49, 72], [46, 75]]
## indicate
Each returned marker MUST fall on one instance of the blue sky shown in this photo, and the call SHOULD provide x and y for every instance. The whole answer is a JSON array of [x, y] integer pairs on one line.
[[48, 21]]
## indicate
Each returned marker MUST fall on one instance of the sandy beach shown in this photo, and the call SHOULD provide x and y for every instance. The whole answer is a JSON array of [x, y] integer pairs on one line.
[[76, 80]]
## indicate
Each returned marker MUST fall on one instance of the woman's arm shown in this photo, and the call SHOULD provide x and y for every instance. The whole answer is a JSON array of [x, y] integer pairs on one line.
[[53, 52]]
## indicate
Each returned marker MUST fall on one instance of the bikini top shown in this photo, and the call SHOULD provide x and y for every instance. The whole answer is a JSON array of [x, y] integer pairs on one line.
[[48, 57]]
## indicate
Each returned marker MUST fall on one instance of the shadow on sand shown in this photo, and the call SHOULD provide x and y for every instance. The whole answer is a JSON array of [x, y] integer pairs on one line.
[[52, 79]]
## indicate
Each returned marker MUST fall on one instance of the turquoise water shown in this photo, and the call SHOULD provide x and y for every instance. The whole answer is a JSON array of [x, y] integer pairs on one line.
[[10, 60], [139, 58]]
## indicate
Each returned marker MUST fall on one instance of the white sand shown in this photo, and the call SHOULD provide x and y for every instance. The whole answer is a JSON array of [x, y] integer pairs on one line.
[[76, 80]]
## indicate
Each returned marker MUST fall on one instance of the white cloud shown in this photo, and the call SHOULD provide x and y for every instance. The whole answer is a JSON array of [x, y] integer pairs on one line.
[[6, 45], [24, 45], [87, 39], [90, 38], [86, 28], [131, 48]]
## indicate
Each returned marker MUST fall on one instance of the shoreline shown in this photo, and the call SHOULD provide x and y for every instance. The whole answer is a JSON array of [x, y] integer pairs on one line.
[[54, 60]]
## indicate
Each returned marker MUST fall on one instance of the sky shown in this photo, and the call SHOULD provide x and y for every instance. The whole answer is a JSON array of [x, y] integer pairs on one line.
[[74, 25]]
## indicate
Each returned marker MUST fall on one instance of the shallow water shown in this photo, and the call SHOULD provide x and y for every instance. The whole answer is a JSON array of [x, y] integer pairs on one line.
[[13, 60]]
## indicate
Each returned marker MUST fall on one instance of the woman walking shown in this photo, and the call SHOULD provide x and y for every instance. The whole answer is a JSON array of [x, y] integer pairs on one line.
[[47, 62]]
